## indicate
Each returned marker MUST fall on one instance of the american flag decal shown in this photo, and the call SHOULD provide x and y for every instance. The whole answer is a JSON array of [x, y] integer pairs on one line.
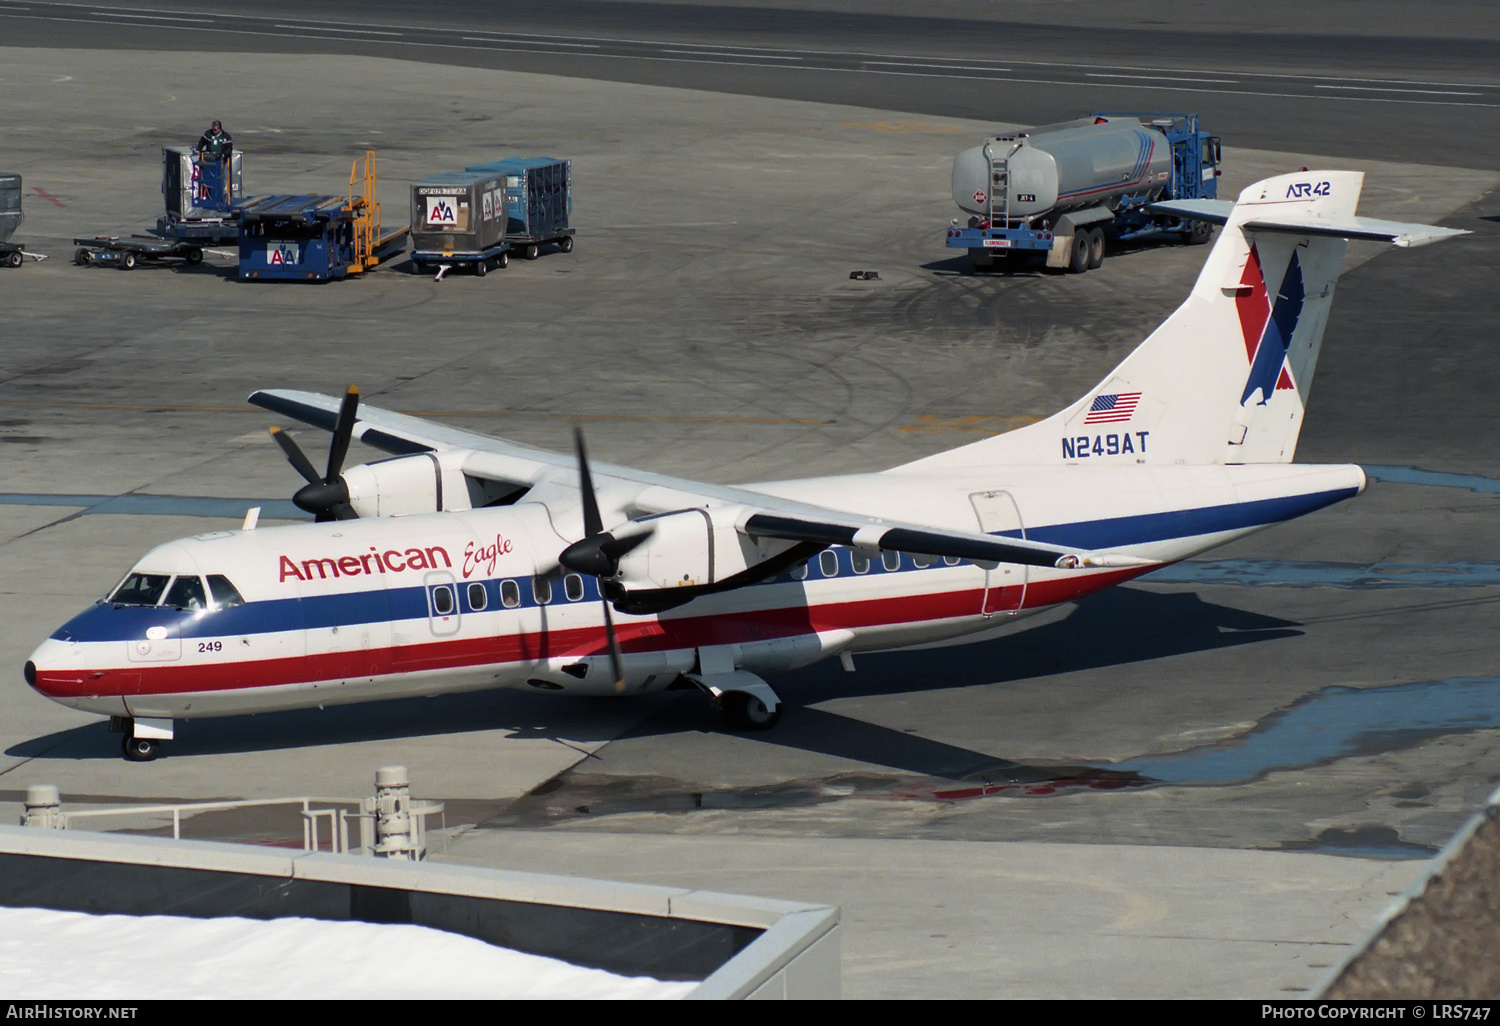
[[1112, 409]]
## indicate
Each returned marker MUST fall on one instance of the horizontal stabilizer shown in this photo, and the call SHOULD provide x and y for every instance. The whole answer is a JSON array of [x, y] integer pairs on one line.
[[1211, 210], [1367, 229], [1370, 229]]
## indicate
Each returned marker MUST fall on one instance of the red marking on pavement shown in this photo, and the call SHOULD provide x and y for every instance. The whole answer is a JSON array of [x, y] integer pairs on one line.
[[44, 194]]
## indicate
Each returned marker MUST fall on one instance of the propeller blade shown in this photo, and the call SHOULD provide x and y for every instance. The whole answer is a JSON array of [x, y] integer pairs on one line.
[[343, 430], [592, 523], [614, 644], [295, 455]]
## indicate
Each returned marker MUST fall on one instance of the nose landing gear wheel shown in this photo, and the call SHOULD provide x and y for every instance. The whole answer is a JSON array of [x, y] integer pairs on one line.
[[141, 749], [744, 711]]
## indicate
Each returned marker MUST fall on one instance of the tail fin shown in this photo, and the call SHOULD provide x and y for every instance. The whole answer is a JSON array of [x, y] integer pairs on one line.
[[1224, 379]]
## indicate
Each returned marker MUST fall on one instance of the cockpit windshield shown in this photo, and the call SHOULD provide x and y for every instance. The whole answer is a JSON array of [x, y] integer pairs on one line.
[[140, 590], [187, 593], [226, 595]]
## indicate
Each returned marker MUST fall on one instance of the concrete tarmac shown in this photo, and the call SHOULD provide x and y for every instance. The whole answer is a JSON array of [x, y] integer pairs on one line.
[[1302, 721]]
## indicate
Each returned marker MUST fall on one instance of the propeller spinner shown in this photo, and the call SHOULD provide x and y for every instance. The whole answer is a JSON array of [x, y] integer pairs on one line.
[[325, 496]]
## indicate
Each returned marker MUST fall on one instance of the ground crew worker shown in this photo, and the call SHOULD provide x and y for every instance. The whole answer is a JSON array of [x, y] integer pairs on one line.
[[216, 142]]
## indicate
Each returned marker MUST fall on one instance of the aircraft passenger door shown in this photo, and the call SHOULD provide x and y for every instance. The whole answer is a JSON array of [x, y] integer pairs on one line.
[[442, 603], [1005, 583]]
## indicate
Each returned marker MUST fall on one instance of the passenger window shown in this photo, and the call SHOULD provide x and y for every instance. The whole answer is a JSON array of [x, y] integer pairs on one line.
[[442, 600], [921, 562], [510, 594], [860, 564], [890, 560], [828, 562], [226, 595], [140, 590], [187, 593], [478, 597], [799, 572], [952, 560], [542, 589], [573, 587]]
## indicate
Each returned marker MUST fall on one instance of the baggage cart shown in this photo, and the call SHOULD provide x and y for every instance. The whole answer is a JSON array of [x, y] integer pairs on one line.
[[538, 200], [128, 252], [458, 219], [12, 254]]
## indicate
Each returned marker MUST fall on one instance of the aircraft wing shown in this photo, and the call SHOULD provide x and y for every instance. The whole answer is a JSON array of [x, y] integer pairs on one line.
[[759, 515]]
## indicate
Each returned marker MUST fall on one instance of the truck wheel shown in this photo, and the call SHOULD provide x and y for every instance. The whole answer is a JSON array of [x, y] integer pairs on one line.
[[532, 251], [565, 243], [1200, 233], [1078, 262], [1096, 248]]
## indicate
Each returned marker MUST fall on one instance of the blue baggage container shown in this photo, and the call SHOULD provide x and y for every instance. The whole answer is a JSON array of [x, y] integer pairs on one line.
[[539, 197]]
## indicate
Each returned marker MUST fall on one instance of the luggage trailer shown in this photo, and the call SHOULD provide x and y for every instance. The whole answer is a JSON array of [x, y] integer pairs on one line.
[[458, 220], [12, 254]]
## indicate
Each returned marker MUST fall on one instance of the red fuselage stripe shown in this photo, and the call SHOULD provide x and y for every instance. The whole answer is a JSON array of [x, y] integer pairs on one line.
[[644, 636]]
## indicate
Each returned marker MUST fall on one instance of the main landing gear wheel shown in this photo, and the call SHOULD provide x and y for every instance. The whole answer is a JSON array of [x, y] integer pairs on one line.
[[141, 749], [745, 711]]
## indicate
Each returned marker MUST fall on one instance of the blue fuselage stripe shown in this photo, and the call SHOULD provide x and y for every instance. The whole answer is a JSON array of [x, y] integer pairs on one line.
[[103, 622]]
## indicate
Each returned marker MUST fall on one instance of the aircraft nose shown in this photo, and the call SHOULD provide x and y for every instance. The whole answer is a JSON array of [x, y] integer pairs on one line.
[[50, 657]]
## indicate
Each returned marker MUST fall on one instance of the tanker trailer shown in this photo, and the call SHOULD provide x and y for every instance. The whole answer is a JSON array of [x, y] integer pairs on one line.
[[1055, 194]]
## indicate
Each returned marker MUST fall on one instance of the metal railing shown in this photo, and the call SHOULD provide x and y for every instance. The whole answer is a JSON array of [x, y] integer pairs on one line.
[[391, 824]]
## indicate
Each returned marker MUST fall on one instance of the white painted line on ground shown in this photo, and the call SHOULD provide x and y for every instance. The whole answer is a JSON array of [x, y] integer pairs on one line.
[[538, 44], [741, 56], [1378, 89], [939, 67], [1162, 78], [153, 17], [340, 28]]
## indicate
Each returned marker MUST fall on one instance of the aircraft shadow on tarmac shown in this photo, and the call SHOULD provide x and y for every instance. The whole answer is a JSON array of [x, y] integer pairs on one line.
[[520, 714], [1116, 627]]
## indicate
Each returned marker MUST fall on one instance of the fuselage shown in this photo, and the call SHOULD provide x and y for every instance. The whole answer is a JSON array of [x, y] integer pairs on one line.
[[359, 610]]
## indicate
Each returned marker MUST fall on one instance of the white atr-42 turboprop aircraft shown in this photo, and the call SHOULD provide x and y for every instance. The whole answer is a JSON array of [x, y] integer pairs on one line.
[[465, 562]]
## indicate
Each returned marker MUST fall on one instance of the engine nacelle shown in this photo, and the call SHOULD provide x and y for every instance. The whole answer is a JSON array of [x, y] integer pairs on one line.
[[693, 547], [424, 482], [679, 553]]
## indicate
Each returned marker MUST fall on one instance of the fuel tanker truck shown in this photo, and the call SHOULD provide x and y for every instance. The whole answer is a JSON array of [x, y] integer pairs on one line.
[[1055, 195]]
